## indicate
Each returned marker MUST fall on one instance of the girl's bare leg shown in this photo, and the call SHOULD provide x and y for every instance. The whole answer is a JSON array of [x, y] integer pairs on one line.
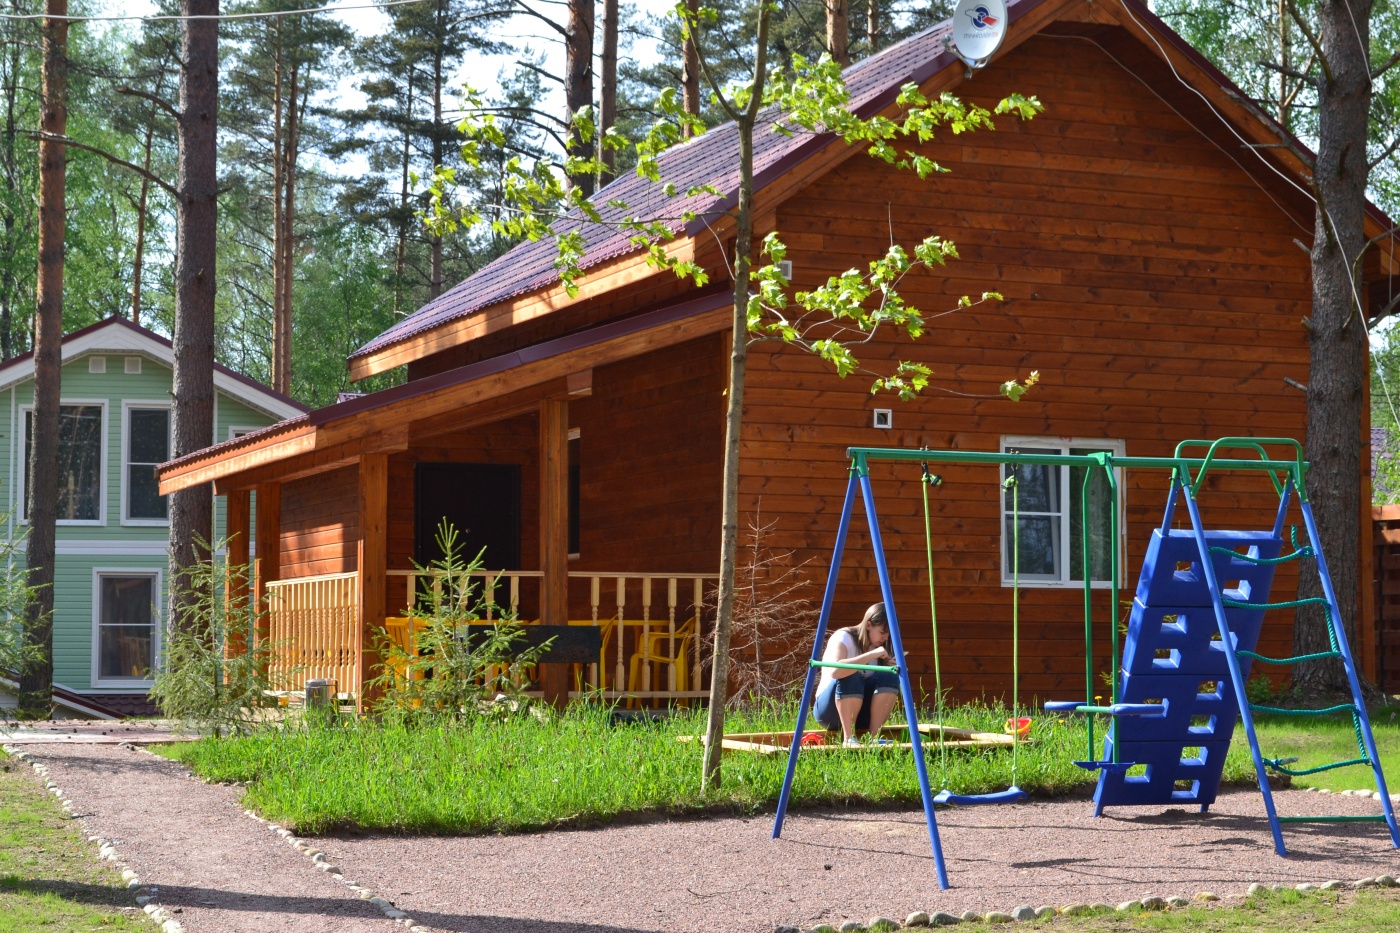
[[881, 705], [848, 708]]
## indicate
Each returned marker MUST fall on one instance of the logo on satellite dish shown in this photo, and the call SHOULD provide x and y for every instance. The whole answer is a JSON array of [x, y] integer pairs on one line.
[[978, 28], [982, 18]]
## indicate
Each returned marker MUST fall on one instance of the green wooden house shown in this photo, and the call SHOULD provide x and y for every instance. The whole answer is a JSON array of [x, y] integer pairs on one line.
[[112, 526]]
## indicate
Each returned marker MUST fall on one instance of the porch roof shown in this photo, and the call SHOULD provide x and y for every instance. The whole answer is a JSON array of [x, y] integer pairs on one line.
[[491, 390]]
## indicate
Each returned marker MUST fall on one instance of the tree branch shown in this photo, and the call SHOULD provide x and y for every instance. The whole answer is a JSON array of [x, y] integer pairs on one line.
[[1301, 77], [1307, 32], [1388, 64], [1385, 154], [540, 71], [68, 141], [159, 102], [1285, 141], [522, 8]]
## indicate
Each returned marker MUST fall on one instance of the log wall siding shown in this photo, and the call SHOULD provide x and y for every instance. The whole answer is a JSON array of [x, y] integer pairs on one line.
[[320, 524], [1154, 286], [651, 448]]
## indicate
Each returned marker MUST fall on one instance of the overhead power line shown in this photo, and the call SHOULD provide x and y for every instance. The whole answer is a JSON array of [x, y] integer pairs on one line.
[[175, 17]]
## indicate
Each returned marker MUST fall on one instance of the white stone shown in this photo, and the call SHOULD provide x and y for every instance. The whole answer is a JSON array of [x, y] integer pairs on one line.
[[918, 918], [1365, 883], [1178, 902], [1305, 887], [1075, 910], [1386, 881], [151, 909], [1332, 885], [172, 926], [1023, 912], [971, 916], [1153, 903], [997, 916], [1128, 905], [142, 901]]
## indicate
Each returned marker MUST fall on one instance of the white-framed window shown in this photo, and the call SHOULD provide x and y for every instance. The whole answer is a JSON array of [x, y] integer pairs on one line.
[[125, 626], [82, 461], [145, 446], [1049, 501], [237, 431]]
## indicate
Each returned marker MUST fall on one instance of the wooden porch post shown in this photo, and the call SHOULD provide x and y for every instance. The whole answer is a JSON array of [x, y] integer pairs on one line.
[[554, 535], [373, 564], [238, 513], [269, 536]]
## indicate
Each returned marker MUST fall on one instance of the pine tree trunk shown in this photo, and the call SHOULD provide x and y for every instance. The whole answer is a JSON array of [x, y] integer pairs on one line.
[[578, 80], [435, 241], [690, 69], [36, 675], [8, 284], [143, 203], [279, 181], [1338, 349], [838, 33], [607, 87], [405, 166], [872, 26], [196, 218], [733, 423], [287, 257]]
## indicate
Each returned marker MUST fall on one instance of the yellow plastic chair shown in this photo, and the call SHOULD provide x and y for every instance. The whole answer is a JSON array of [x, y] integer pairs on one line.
[[656, 652]]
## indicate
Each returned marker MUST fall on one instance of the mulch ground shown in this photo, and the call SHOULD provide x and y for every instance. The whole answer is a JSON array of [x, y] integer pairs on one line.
[[225, 872], [721, 875]]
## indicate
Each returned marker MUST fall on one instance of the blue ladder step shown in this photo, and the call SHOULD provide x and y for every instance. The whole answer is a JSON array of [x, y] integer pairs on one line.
[[1012, 794], [1112, 767]]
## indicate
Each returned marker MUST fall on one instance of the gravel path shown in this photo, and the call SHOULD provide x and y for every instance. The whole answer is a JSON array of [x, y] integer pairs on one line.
[[727, 876], [218, 870], [215, 868]]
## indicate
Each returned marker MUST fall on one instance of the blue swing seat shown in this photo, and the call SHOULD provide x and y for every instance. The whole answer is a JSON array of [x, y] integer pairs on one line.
[[1012, 794], [1158, 710]]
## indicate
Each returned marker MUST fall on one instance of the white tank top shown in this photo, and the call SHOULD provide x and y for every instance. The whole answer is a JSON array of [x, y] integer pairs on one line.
[[841, 638]]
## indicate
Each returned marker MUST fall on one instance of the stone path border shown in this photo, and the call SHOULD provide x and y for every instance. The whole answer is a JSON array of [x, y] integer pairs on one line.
[[147, 895]]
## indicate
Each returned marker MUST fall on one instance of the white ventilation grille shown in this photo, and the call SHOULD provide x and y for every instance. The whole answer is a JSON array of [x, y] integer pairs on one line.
[[884, 418], [97, 364], [133, 365]]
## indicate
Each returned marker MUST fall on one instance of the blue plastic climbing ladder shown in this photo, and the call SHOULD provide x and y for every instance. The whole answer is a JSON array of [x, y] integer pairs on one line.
[[1195, 623]]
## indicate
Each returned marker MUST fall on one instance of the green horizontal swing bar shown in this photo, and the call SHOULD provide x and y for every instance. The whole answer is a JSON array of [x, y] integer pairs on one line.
[[1304, 551], [1378, 818], [854, 667], [1279, 711], [1297, 659]]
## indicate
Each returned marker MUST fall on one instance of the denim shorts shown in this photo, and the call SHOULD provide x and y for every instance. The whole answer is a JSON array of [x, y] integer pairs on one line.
[[863, 684]]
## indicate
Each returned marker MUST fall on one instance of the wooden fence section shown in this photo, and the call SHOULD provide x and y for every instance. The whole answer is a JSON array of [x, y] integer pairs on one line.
[[313, 622], [652, 625], [1386, 545]]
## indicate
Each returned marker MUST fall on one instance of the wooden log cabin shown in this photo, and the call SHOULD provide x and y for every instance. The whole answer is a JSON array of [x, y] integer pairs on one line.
[[1144, 231]]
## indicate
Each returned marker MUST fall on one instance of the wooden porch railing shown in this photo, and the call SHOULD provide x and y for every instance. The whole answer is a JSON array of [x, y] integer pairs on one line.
[[313, 621], [652, 626]]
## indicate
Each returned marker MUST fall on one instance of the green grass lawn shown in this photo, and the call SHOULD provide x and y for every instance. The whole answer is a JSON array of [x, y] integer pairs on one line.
[[519, 773], [50, 878]]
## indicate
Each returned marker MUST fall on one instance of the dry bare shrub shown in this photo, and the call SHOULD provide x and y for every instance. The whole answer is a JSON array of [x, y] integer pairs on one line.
[[773, 621]]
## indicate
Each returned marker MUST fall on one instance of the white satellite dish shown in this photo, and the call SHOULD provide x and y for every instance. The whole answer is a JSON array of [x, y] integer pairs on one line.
[[978, 28]]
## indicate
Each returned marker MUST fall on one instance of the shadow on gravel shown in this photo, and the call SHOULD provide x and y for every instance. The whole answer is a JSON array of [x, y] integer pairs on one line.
[[478, 923], [76, 891], [173, 896]]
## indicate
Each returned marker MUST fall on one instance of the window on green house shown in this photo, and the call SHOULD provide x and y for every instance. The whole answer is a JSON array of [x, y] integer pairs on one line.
[[126, 631], [147, 446], [79, 461]]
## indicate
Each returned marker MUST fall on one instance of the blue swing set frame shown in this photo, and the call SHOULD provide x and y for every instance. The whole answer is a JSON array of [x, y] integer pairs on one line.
[[1292, 473]]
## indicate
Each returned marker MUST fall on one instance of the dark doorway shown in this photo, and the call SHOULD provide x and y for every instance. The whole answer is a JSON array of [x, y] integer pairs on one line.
[[480, 500]]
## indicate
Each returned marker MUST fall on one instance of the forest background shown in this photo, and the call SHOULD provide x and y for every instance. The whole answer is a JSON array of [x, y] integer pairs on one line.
[[331, 123]]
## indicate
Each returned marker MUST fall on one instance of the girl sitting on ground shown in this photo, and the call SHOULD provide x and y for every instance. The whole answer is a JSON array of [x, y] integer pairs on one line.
[[857, 701]]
